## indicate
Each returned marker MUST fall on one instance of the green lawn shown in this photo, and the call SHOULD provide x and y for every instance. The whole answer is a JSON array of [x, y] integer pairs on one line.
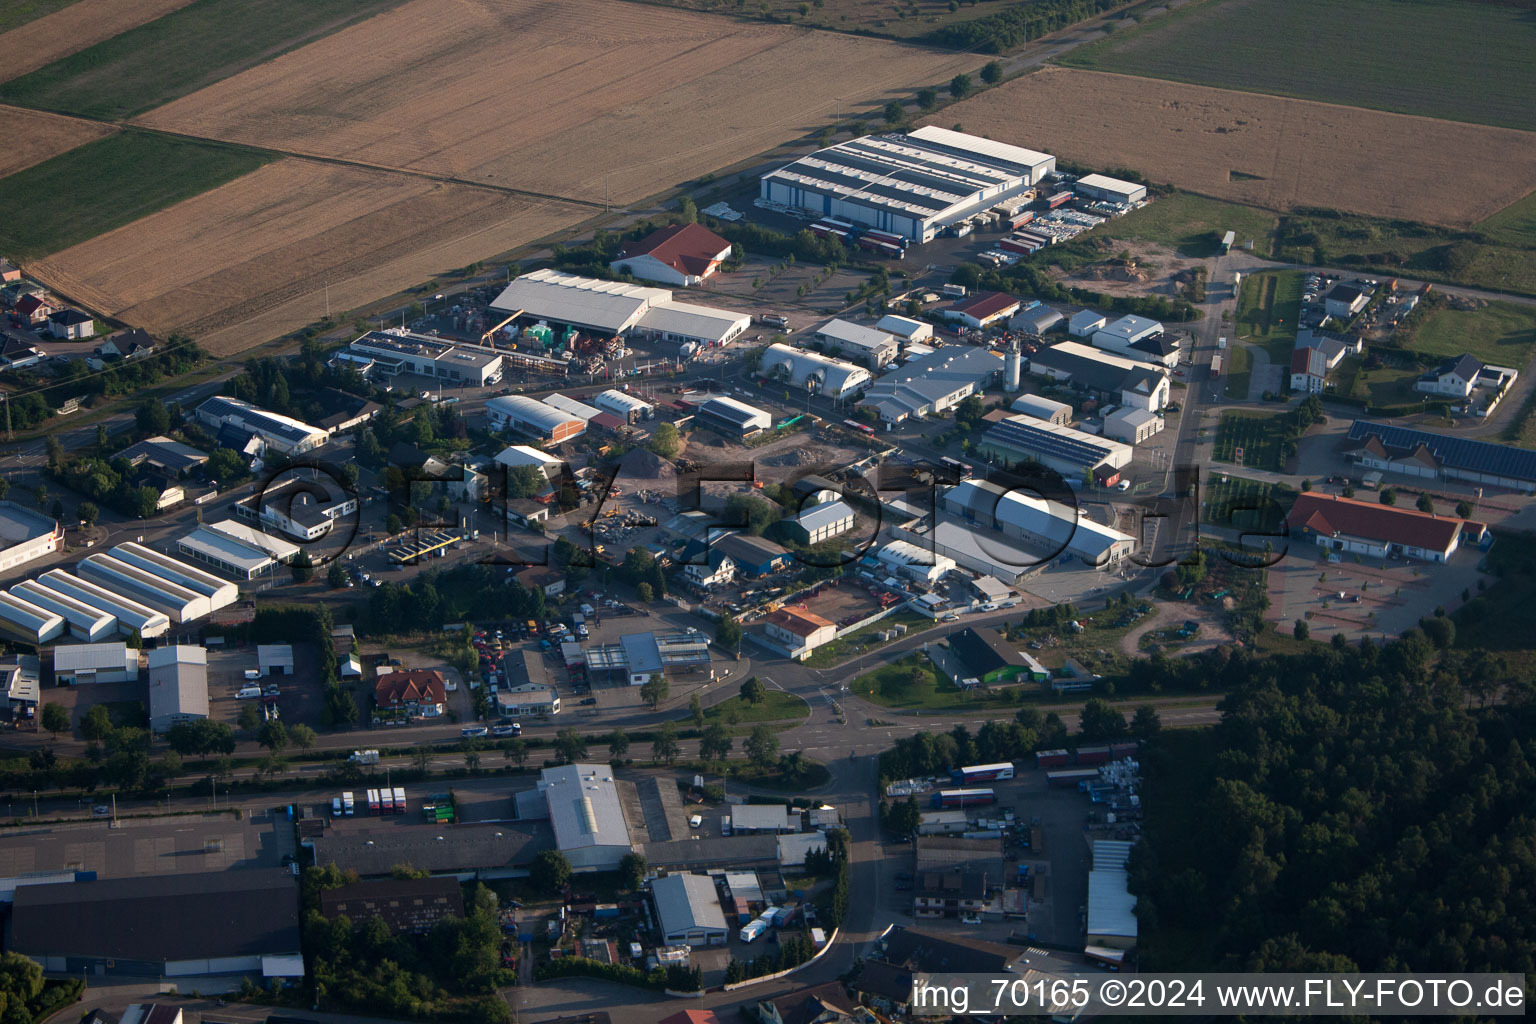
[[1243, 504], [914, 684], [1193, 225], [108, 183], [1259, 436], [1500, 333], [1437, 58], [1267, 307], [15, 13], [1386, 386], [1515, 224], [1236, 372], [180, 53], [776, 706], [864, 640]]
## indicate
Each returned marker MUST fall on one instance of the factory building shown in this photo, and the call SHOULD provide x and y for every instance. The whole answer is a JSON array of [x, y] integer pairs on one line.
[[26, 535], [913, 184], [615, 307], [587, 815], [581, 410], [534, 418], [688, 910], [1120, 336], [132, 616], [736, 420], [933, 384], [821, 522], [919, 563], [85, 621], [909, 331], [869, 346], [982, 309], [280, 433], [220, 593], [180, 603], [1110, 376], [1085, 322], [1132, 426], [80, 664], [1113, 190], [818, 374], [1111, 904], [1037, 319], [394, 351], [678, 255], [22, 620], [235, 553], [178, 686], [1047, 526], [1040, 408], [624, 405], [1072, 453]]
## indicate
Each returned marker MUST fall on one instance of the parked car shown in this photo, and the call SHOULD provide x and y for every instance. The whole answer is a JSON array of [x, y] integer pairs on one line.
[[588, 700]]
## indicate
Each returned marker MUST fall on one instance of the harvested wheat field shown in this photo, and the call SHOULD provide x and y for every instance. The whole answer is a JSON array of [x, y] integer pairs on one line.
[[1263, 150], [567, 99], [81, 24], [32, 137], [250, 260]]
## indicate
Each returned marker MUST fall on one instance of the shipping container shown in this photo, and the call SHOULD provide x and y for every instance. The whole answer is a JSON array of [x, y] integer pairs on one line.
[[955, 291], [1059, 199], [1071, 776], [964, 798], [1097, 754], [1125, 748], [1052, 758], [1020, 219], [982, 773], [891, 250], [1021, 246]]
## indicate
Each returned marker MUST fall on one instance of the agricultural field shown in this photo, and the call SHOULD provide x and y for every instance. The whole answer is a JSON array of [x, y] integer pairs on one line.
[[32, 137], [1500, 333], [590, 100], [141, 67], [901, 19], [102, 185], [58, 28], [1259, 435], [251, 260], [1267, 307], [1434, 58], [1260, 150]]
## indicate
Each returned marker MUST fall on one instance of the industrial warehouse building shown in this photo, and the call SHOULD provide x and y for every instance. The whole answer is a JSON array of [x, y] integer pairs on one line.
[[913, 184], [736, 420], [933, 384], [615, 307], [25, 535], [624, 405], [534, 418], [1132, 426], [679, 255], [1133, 383], [587, 816], [818, 374], [908, 330], [982, 309], [1047, 526], [181, 603], [916, 562], [820, 522], [280, 433], [220, 593], [1111, 904], [236, 549], [688, 910], [178, 685], [1046, 409], [394, 351], [222, 925], [22, 620], [1084, 323], [874, 348], [1102, 186], [1369, 528], [640, 657], [132, 616], [581, 410], [85, 622], [79, 664], [1420, 453], [1072, 453], [1126, 337]]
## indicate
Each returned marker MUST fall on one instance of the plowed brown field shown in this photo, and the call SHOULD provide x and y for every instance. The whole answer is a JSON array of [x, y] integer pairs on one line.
[[579, 98], [32, 137], [81, 24], [250, 260], [1283, 152]]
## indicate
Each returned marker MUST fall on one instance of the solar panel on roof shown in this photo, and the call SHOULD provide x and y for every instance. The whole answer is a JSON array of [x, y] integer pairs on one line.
[[1031, 438], [1462, 453]]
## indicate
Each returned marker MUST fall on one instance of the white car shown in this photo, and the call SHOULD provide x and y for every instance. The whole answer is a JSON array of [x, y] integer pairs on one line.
[[1123, 485], [695, 821]]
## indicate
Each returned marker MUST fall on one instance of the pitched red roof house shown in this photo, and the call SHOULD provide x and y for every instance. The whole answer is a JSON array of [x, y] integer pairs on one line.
[[679, 254], [417, 688], [983, 308], [799, 622], [33, 309], [1364, 527]]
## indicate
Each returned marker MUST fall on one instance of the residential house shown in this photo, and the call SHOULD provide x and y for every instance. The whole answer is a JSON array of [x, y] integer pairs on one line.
[[33, 309], [823, 1004], [799, 631], [9, 271], [542, 577], [130, 344], [420, 692], [885, 987], [1453, 378], [71, 324], [949, 893], [719, 571], [15, 354]]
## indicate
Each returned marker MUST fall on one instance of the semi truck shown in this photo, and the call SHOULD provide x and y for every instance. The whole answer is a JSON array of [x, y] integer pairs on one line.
[[982, 773], [946, 798]]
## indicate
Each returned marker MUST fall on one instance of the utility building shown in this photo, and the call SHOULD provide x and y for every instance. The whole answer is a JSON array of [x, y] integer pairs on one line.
[[77, 664], [688, 910], [1102, 186]]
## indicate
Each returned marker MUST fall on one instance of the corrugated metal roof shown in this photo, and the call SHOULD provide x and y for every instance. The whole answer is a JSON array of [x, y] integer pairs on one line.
[[687, 902], [610, 305]]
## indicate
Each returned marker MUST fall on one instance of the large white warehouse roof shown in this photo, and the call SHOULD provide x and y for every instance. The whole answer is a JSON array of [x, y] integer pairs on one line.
[[131, 614], [27, 621], [220, 593], [85, 621], [611, 306], [832, 376], [180, 603], [584, 806]]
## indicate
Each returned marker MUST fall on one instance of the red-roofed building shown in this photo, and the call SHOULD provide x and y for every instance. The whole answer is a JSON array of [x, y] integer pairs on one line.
[[31, 309], [419, 691], [982, 309], [1348, 526], [683, 254], [799, 631], [691, 1017]]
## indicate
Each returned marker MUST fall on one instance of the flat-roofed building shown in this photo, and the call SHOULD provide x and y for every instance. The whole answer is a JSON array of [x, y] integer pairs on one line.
[[396, 352], [220, 593], [302, 508], [1111, 904], [870, 346], [26, 535], [914, 184], [1114, 190], [178, 685], [280, 433], [132, 616], [77, 664], [180, 603], [85, 621], [734, 419], [534, 418], [688, 910], [227, 554], [1132, 426], [22, 620], [587, 815]]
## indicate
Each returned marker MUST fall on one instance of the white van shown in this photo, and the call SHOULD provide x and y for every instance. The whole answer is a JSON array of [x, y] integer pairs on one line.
[[248, 692]]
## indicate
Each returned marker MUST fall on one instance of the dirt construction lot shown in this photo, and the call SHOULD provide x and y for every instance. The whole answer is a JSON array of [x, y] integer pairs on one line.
[[577, 99], [1263, 150], [32, 137], [70, 30], [250, 260]]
